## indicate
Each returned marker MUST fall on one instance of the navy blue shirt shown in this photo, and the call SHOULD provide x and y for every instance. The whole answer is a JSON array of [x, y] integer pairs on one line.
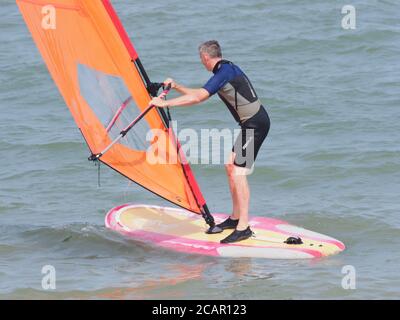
[[223, 73], [234, 89]]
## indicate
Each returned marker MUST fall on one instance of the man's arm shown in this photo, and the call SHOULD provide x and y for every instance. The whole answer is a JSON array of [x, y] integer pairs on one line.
[[178, 87], [184, 90], [191, 97]]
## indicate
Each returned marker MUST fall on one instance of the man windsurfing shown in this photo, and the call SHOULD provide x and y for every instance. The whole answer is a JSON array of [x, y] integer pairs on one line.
[[236, 91]]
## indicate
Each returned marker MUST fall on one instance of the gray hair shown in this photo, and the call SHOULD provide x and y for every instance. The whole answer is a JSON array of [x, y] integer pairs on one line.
[[212, 48]]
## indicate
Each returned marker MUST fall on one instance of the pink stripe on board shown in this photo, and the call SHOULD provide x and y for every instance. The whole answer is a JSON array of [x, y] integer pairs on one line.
[[196, 246]]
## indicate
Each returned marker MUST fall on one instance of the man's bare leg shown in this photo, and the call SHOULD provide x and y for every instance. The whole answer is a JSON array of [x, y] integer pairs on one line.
[[235, 203], [237, 177], [241, 188], [240, 192]]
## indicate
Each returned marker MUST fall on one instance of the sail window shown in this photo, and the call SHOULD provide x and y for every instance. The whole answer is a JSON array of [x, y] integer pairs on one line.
[[113, 105]]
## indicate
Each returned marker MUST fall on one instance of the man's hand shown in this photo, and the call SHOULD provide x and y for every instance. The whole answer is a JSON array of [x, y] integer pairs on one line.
[[158, 102], [170, 81]]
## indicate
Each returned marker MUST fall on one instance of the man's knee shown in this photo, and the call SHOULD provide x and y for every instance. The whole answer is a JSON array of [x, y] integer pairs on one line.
[[229, 169], [239, 171]]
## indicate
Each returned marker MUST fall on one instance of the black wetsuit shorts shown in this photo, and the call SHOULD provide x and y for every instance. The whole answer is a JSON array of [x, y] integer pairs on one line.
[[252, 135]]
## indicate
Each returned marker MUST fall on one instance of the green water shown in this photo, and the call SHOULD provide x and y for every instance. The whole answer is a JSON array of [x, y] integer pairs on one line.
[[331, 162]]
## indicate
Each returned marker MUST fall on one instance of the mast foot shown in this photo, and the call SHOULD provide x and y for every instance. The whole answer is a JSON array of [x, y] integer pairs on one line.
[[214, 229], [94, 157]]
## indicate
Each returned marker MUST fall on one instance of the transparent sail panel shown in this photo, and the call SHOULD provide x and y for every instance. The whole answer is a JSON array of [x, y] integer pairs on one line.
[[112, 103]]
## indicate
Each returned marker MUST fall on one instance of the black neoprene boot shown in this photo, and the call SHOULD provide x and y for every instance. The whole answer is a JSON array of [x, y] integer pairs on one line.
[[238, 235], [228, 224]]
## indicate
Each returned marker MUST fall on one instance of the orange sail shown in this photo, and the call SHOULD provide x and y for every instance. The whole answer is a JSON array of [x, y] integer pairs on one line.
[[104, 85]]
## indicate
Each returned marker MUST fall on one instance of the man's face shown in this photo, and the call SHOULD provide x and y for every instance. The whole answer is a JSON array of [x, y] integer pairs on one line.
[[205, 60]]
